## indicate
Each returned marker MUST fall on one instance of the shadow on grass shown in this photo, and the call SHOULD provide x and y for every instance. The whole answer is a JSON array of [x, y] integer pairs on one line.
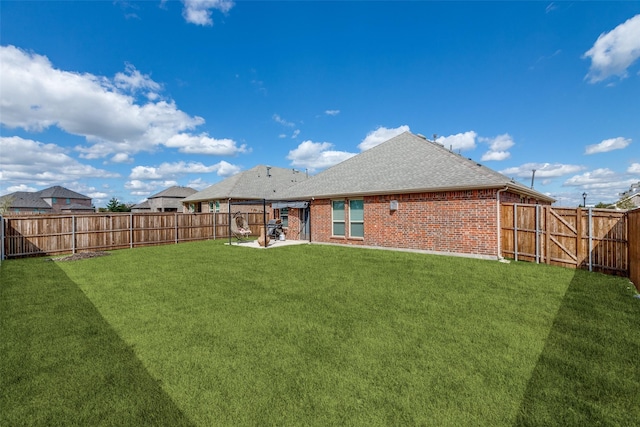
[[586, 373], [61, 363]]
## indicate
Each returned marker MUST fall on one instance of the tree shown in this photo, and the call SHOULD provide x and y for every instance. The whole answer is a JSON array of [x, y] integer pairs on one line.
[[625, 204], [115, 206], [5, 204]]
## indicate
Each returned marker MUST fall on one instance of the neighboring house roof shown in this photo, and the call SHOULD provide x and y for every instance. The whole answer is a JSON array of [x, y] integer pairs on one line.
[[259, 182], [144, 205], [174, 192], [60, 192], [26, 200], [407, 163]]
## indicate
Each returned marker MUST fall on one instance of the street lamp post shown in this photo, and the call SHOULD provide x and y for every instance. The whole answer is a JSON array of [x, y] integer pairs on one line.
[[584, 200]]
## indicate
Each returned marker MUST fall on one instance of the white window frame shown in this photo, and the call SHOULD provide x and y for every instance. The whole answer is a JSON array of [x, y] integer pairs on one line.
[[334, 221], [359, 221]]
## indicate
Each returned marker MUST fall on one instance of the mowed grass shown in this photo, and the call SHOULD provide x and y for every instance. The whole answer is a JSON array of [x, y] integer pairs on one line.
[[205, 334]]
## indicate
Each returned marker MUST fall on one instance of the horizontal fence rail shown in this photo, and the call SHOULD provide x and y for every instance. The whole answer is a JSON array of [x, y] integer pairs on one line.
[[34, 235], [593, 239]]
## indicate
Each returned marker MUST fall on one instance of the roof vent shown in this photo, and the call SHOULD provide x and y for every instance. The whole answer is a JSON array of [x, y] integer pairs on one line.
[[421, 136]]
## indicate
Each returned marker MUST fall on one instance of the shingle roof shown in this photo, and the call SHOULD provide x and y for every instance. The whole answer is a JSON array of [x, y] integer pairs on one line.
[[175, 192], [26, 200], [143, 205], [259, 182], [404, 164], [60, 192]]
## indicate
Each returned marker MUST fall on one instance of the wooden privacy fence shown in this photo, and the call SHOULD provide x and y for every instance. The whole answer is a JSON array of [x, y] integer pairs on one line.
[[32, 235], [593, 239], [634, 246]]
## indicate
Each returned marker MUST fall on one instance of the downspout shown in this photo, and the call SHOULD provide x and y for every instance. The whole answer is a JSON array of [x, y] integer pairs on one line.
[[498, 222]]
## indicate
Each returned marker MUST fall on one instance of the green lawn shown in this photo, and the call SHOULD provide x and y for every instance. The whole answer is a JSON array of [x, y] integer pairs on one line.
[[203, 334]]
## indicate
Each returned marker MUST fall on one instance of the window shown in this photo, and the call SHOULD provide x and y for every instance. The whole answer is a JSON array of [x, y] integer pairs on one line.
[[284, 216], [68, 201], [216, 208], [54, 200], [356, 218], [337, 217]]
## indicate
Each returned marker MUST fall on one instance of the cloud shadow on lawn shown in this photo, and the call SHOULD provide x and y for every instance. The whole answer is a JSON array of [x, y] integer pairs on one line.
[[586, 373], [61, 363]]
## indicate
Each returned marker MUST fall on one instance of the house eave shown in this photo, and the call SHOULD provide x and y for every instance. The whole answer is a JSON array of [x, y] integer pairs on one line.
[[514, 188]]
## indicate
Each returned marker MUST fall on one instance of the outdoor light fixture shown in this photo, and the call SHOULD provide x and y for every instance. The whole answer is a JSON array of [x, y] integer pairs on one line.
[[584, 200]]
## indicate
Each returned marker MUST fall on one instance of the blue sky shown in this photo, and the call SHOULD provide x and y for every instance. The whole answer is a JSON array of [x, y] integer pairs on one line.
[[124, 99]]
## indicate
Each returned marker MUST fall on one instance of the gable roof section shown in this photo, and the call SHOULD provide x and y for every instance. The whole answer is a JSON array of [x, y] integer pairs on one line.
[[26, 200], [259, 182], [406, 163], [174, 192], [60, 192]]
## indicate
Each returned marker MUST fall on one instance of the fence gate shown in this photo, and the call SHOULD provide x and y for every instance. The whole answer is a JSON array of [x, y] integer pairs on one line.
[[593, 239]]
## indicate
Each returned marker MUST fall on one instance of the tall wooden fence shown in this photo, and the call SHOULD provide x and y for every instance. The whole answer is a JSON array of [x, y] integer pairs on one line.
[[634, 246], [32, 235], [593, 239]]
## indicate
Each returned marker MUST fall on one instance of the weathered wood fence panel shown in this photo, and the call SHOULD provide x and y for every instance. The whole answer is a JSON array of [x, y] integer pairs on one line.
[[634, 246], [594, 239], [32, 235]]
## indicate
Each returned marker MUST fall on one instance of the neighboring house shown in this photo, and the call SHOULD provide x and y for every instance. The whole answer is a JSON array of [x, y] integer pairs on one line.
[[50, 200], [411, 193], [24, 202], [631, 197], [169, 200], [141, 207], [258, 183]]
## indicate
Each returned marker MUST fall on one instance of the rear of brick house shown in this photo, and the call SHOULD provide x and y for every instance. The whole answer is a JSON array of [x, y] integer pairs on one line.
[[409, 193]]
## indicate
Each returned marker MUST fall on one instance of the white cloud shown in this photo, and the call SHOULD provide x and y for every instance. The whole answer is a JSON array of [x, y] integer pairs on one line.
[[498, 147], [634, 168], [615, 51], [543, 170], [295, 134], [278, 119], [460, 141], [121, 158], [132, 80], [199, 11], [332, 112], [608, 145], [142, 188], [177, 169], [198, 184], [380, 135], [21, 187], [204, 144], [35, 96], [597, 178], [316, 155], [25, 160]]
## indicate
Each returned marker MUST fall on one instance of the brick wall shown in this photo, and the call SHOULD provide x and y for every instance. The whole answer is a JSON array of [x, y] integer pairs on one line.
[[61, 203], [460, 222]]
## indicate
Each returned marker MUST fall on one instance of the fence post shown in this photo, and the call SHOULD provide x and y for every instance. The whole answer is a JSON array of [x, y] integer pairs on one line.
[[590, 240], [515, 231], [1, 238], [175, 218], [537, 234], [130, 230], [73, 234]]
